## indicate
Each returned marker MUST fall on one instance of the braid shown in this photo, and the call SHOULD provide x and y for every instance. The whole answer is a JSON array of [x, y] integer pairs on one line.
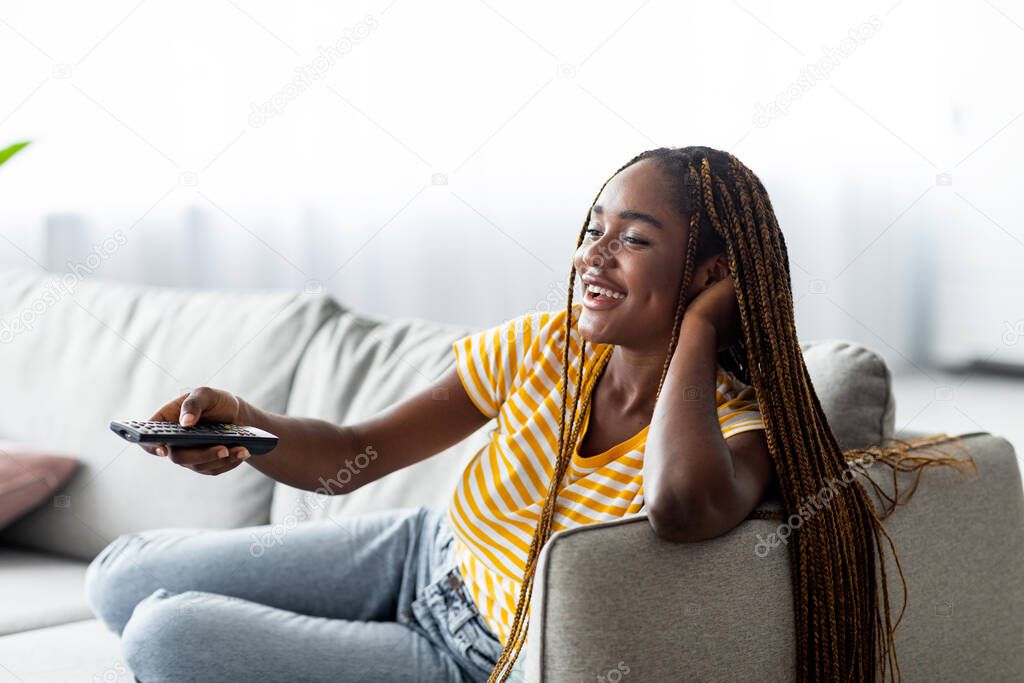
[[843, 624], [689, 263], [517, 634]]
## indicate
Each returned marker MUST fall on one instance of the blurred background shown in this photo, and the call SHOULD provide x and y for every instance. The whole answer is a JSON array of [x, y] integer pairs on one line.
[[437, 160]]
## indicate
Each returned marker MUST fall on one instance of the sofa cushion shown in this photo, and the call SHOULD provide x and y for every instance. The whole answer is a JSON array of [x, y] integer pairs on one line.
[[76, 357], [854, 386], [38, 590], [79, 651], [356, 366], [27, 479]]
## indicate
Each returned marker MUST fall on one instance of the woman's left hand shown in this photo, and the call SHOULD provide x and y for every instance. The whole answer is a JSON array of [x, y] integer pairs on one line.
[[717, 305]]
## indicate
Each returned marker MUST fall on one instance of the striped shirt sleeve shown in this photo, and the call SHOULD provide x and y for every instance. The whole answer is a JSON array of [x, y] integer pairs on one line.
[[489, 362], [738, 409]]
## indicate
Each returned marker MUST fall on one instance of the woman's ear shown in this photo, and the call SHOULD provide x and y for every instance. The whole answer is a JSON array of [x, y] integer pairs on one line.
[[713, 269], [718, 269]]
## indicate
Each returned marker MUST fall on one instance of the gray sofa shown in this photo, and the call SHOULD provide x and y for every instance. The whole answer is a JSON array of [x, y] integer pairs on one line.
[[709, 611]]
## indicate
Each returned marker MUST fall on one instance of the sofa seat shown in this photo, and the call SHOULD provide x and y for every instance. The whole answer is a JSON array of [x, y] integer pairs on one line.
[[80, 651], [39, 589], [47, 632]]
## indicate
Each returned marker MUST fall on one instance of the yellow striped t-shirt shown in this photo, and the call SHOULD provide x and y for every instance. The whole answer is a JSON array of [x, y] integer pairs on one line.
[[513, 372]]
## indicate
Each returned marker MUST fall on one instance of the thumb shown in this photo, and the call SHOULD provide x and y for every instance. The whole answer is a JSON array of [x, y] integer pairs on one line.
[[197, 401]]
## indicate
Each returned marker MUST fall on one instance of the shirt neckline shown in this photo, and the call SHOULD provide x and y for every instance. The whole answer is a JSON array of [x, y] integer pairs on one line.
[[619, 449], [616, 451], [613, 453]]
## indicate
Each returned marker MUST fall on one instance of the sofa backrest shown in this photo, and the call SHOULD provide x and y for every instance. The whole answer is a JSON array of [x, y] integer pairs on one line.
[[74, 358], [357, 365]]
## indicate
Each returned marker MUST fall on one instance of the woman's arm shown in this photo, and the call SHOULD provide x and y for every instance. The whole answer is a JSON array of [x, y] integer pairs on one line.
[[697, 484], [317, 455]]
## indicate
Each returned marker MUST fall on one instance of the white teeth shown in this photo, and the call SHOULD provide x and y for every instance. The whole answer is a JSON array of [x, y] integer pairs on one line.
[[607, 292]]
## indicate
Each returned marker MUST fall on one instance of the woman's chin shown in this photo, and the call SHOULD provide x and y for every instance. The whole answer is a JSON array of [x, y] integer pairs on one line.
[[593, 334]]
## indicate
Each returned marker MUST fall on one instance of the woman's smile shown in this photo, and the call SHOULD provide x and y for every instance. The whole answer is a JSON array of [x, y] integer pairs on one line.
[[599, 299], [600, 294]]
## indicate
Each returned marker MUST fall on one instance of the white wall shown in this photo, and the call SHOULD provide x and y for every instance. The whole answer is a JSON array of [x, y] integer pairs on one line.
[[142, 119]]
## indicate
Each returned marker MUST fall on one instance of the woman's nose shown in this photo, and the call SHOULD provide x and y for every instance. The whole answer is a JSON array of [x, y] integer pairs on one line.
[[596, 253]]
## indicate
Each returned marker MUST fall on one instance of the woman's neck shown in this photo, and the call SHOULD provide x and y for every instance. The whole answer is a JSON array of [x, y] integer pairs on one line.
[[630, 378]]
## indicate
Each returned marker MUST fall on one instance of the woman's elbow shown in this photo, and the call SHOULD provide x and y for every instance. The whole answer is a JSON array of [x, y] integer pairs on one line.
[[669, 517]]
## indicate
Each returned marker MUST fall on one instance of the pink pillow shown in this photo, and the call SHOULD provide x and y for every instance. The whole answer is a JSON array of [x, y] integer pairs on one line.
[[28, 479]]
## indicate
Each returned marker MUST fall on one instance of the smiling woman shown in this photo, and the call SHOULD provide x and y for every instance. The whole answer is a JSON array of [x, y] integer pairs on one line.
[[686, 276]]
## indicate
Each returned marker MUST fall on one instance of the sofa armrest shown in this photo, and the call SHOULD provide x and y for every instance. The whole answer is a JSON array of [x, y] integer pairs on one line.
[[908, 434], [614, 602]]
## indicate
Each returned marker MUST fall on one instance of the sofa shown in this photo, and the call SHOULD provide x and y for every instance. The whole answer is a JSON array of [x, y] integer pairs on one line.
[[716, 610]]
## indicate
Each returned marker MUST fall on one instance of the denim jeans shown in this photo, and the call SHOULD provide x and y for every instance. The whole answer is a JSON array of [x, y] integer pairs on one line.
[[374, 597]]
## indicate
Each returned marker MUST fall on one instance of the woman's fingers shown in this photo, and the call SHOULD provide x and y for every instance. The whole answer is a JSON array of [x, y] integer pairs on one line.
[[233, 460], [169, 411], [190, 457], [218, 464], [197, 401], [201, 403], [229, 464]]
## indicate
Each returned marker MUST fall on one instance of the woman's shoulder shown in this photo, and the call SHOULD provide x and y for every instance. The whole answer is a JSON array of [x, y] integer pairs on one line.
[[545, 325]]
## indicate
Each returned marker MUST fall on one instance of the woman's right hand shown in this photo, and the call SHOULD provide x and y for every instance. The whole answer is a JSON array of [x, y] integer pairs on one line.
[[209, 405]]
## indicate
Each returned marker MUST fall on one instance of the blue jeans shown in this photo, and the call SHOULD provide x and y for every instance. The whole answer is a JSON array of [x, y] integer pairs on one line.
[[374, 597]]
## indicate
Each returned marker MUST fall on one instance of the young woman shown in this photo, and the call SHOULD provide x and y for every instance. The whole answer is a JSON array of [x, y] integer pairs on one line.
[[676, 387]]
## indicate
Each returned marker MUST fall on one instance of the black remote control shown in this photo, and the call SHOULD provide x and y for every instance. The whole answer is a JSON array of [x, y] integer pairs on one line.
[[201, 435]]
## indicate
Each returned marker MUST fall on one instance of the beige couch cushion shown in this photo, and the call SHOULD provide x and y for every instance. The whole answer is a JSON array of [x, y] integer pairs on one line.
[[855, 388], [39, 589], [80, 651], [355, 367], [72, 362]]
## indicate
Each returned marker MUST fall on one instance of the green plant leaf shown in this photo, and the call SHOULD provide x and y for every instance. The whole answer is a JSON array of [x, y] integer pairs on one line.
[[9, 152]]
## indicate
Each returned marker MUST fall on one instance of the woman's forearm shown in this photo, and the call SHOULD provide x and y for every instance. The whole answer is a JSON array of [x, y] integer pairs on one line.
[[310, 452], [686, 453], [317, 455]]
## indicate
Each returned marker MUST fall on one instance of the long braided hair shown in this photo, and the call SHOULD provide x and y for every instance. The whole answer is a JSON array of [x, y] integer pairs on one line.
[[844, 628]]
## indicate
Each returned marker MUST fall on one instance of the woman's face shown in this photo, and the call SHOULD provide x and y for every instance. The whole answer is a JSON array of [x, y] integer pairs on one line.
[[635, 243]]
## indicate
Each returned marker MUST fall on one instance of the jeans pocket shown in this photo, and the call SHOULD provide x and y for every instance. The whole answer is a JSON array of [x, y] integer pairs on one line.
[[477, 645], [462, 627]]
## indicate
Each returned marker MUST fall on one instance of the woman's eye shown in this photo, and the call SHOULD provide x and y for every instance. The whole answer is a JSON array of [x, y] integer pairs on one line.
[[629, 238]]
